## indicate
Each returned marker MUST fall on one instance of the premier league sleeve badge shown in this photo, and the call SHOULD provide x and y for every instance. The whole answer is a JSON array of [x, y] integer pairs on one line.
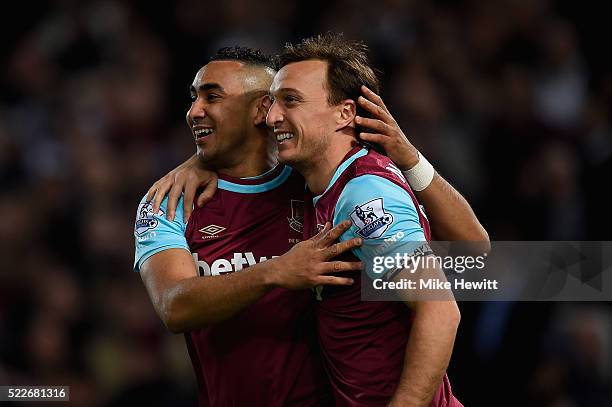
[[146, 220], [371, 219]]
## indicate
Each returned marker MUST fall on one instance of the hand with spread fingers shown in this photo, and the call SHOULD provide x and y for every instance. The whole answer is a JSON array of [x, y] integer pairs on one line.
[[385, 131], [186, 178], [306, 265]]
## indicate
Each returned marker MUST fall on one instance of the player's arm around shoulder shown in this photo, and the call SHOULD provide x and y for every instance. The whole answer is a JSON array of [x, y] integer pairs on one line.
[[452, 218]]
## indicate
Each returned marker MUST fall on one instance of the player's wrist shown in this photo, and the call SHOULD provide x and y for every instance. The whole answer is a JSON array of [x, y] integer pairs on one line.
[[270, 274], [420, 175], [408, 160]]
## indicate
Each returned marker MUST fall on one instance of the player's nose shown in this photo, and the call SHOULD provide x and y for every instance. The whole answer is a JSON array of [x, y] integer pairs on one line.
[[274, 116], [196, 113]]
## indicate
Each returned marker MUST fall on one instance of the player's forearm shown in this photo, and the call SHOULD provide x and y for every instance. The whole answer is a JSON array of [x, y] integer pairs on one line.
[[186, 303], [428, 352], [450, 215], [200, 302]]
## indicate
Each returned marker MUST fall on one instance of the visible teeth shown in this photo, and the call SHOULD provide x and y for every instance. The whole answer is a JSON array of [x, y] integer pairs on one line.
[[283, 136], [205, 132]]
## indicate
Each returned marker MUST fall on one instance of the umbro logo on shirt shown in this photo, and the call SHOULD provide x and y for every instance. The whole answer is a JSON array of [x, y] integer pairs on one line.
[[211, 231]]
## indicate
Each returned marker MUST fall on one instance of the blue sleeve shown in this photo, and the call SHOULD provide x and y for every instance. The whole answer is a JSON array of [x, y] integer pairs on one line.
[[154, 233], [382, 214]]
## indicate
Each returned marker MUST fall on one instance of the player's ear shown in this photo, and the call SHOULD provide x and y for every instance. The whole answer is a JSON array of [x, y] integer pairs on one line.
[[263, 105], [347, 110]]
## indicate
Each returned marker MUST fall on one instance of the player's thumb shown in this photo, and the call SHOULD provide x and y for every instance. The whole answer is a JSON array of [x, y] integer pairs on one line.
[[207, 194]]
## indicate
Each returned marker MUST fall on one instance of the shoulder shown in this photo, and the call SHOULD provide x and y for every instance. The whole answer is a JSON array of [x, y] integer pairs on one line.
[[375, 163], [154, 233], [372, 185], [373, 204], [147, 220]]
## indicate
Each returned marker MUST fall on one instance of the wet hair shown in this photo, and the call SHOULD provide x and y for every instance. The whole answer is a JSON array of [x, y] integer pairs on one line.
[[246, 55], [348, 66]]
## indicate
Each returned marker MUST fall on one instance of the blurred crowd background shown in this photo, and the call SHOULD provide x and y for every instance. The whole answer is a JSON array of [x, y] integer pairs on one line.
[[510, 99]]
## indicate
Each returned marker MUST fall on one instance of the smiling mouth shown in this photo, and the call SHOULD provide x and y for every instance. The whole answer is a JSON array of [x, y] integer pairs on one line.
[[201, 133], [280, 137]]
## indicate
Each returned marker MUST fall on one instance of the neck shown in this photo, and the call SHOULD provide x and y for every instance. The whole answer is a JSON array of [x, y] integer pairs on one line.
[[318, 173], [250, 167], [253, 160]]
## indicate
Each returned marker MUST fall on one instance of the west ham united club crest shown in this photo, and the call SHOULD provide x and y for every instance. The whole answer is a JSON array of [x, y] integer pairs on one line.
[[371, 219], [146, 218], [296, 221]]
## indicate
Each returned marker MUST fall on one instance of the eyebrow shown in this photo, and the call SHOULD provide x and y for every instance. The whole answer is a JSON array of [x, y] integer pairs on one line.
[[205, 87], [288, 90]]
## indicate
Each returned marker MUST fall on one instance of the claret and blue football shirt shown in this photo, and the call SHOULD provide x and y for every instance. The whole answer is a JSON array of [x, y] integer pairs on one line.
[[364, 342], [267, 355]]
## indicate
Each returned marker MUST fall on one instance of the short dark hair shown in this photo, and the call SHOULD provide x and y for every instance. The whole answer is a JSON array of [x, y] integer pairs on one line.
[[348, 66], [246, 55]]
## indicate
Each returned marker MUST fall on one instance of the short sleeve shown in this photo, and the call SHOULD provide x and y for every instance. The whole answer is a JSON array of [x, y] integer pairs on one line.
[[383, 214], [153, 233]]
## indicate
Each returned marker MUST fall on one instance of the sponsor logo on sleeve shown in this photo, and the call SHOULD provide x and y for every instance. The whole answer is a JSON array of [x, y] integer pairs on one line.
[[371, 219]]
